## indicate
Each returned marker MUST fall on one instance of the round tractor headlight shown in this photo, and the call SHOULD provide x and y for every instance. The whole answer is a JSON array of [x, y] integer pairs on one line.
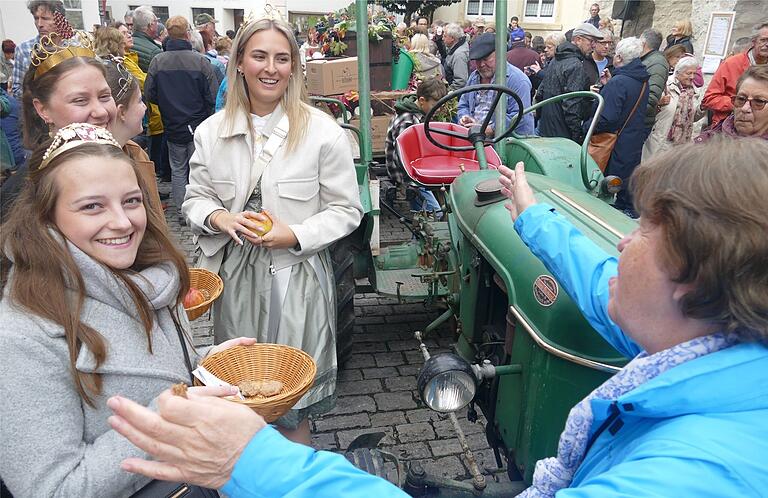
[[446, 383]]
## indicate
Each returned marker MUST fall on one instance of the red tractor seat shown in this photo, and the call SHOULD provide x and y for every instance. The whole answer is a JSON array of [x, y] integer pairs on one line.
[[429, 165]]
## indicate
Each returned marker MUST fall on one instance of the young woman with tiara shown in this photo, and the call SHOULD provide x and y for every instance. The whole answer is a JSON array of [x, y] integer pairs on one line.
[[91, 308], [66, 84]]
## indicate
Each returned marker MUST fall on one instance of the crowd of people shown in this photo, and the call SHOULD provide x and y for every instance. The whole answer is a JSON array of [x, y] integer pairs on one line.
[[673, 107], [92, 282]]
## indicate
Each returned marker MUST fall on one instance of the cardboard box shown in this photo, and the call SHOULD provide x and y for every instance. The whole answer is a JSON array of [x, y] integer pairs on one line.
[[379, 125], [332, 77]]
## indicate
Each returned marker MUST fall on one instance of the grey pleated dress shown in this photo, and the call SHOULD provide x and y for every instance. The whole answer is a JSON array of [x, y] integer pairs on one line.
[[306, 318]]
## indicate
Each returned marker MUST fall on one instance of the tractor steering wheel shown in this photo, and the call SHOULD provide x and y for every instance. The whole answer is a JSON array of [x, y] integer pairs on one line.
[[473, 134]]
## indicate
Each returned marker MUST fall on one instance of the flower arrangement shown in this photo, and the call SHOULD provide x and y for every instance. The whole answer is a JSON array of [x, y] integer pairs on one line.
[[331, 29]]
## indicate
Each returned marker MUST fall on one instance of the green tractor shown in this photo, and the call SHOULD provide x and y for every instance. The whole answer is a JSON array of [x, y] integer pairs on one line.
[[524, 354]]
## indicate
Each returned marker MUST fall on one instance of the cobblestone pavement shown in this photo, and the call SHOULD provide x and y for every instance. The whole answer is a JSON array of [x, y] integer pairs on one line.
[[377, 386]]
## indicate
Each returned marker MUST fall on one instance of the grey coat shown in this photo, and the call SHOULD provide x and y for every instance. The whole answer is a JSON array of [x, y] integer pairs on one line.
[[457, 65], [51, 442]]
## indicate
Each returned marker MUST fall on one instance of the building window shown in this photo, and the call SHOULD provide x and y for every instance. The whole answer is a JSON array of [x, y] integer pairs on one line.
[[160, 12], [481, 7], [540, 9], [74, 9]]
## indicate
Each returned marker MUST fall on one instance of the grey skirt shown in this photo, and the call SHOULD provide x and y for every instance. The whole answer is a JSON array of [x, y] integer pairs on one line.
[[250, 306]]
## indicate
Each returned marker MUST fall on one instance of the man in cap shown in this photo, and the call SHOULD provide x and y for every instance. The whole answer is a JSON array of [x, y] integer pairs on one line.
[[519, 55], [566, 73], [206, 22], [474, 106]]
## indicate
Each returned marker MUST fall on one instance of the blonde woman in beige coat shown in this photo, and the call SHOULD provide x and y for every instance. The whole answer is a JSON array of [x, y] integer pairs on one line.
[[269, 155]]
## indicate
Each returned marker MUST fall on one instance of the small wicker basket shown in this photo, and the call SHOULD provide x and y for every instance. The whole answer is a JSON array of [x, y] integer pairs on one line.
[[209, 284], [291, 366]]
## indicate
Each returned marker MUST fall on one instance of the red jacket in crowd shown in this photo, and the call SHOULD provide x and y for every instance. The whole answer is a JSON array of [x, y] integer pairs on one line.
[[723, 86]]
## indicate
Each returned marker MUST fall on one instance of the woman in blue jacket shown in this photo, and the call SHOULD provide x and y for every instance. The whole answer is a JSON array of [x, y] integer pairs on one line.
[[686, 299]]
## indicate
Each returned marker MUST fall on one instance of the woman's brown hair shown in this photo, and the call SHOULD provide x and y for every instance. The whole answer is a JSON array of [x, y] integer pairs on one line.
[[47, 282], [122, 83], [34, 129], [710, 201]]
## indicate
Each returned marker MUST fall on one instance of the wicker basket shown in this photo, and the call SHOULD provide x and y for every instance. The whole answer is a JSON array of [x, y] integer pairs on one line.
[[209, 284], [293, 367]]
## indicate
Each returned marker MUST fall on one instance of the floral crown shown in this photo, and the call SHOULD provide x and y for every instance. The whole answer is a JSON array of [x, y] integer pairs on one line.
[[74, 135], [47, 53]]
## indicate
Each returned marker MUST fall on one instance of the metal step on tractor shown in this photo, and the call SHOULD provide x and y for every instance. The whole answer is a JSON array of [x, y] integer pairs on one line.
[[524, 354]]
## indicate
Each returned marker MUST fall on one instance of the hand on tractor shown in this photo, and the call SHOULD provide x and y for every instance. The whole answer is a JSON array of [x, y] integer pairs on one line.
[[515, 187]]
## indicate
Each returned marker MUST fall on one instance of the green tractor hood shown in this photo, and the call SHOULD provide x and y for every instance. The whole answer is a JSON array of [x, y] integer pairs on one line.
[[550, 313]]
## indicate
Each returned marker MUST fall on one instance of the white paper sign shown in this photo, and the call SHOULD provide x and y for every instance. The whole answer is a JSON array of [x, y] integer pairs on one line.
[[710, 64], [719, 34]]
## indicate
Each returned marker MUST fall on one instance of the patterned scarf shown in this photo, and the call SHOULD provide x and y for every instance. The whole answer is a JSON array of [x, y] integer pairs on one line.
[[682, 123], [555, 473]]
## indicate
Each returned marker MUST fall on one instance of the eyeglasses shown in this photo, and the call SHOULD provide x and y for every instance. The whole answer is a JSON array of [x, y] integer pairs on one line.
[[756, 103], [605, 42]]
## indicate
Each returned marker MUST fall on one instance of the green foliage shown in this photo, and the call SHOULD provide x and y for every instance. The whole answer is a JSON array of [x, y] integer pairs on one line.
[[409, 7]]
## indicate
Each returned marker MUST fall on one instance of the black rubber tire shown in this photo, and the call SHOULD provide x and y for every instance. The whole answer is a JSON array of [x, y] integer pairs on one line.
[[343, 259]]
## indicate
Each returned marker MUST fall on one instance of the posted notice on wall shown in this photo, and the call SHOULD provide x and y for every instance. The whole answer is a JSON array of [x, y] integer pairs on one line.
[[718, 40]]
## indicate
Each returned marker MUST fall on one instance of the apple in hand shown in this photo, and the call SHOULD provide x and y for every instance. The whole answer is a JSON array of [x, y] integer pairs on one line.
[[264, 226]]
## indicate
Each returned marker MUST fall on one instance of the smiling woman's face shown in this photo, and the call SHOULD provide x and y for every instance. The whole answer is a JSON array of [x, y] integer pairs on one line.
[[99, 209], [81, 95], [266, 66]]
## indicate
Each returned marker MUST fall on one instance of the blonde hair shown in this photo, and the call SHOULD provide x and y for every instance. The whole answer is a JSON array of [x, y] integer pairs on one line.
[[685, 27], [555, 39], [109, 41], [294, 99], [420, 43]]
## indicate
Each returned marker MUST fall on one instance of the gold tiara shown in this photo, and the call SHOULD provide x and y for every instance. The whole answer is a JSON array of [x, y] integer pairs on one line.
[[47, 53], [269, 12], [74, 135]]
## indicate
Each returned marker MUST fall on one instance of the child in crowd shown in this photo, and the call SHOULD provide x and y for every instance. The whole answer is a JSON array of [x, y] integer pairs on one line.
[[410, 111]]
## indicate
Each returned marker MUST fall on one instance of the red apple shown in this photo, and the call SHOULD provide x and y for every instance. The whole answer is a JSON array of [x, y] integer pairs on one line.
[[193, 298]]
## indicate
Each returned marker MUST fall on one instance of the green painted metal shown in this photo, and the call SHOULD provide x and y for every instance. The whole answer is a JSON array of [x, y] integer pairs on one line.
[[501, 68], [512, 369], [557, 158], [363, 80], [584, 157], [480, 154], [331, 100]]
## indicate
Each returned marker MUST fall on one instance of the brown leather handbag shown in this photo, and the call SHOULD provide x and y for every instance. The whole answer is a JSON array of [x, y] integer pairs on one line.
[[601, 144]]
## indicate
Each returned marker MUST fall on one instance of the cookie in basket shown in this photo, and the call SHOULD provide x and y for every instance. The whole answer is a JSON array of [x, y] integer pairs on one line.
[[263, 388]]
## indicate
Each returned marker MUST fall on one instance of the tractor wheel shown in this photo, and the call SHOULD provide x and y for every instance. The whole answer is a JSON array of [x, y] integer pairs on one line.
[[343, 258]]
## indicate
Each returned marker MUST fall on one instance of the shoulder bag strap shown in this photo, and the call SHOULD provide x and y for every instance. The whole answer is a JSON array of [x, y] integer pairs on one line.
[[275, 140], [632, 112], [183, 345]]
